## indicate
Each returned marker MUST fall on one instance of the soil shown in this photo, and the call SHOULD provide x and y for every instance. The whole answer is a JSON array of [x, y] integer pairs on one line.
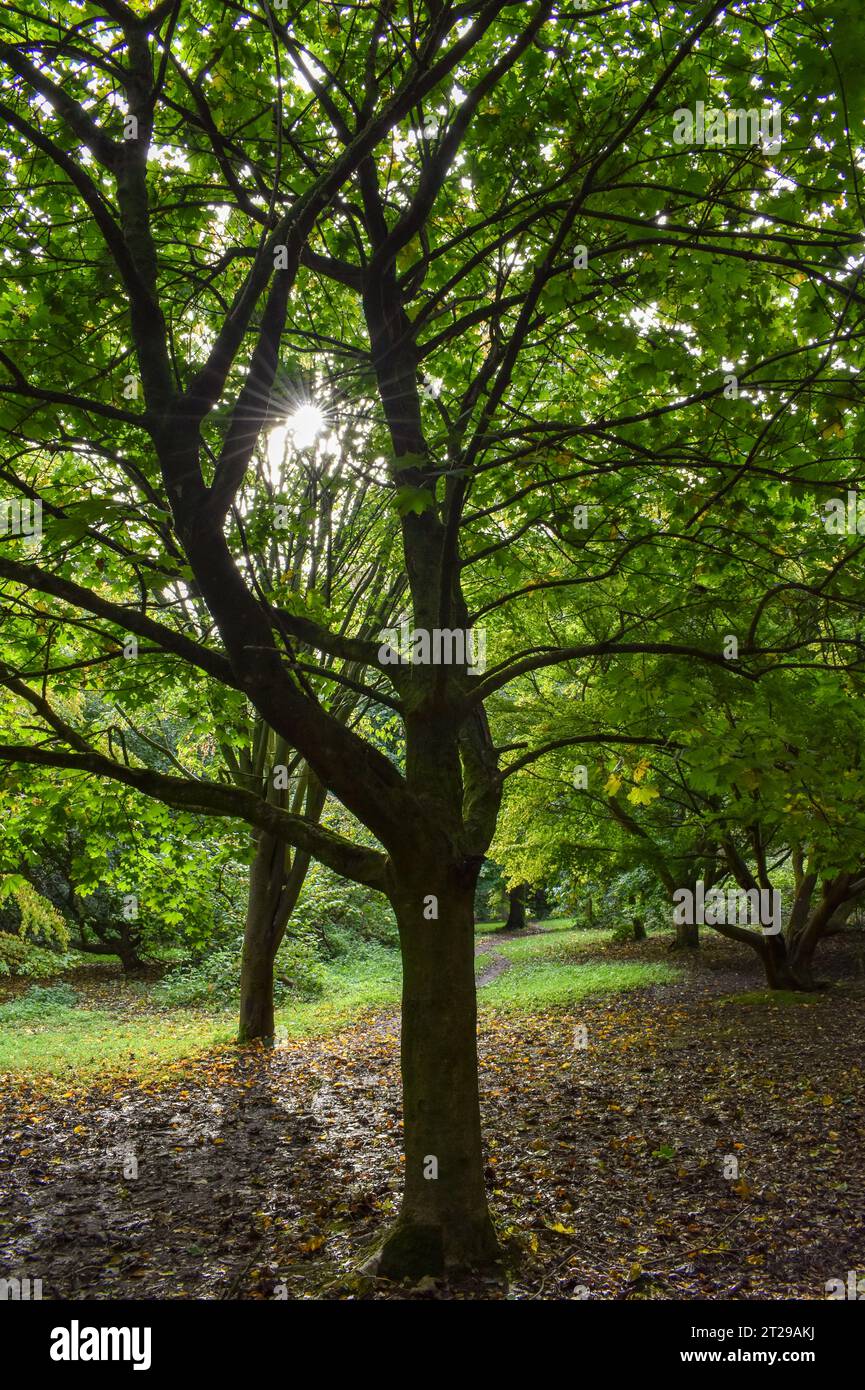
[[694, 1147]]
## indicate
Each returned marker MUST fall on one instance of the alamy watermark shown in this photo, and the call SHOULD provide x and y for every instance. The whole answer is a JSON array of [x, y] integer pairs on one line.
[[853, 1288], [842, 519], [21, 518], [733, 906], [77, 1343], [20, 1290], [722, 127], [440, 647]]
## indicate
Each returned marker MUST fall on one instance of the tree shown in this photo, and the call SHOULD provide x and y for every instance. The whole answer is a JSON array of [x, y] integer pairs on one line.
[[235, 198], [125, 875], [516, 918]]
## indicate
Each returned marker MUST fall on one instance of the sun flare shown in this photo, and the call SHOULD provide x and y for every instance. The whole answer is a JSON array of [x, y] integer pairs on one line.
[[305, 425]]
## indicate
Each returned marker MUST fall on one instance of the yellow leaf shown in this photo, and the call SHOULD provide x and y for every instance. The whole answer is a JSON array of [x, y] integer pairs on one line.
[[308, 1246], [641, 796]]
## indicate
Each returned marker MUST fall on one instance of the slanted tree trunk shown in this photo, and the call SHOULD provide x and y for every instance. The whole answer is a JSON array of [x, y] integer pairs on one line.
[[275, 881], [444, 1224], [788, 956], [804, 935], [123, 942], [273, 893], [131, 962], [771, 947], [261, 939], [516, 920], [780, 973]]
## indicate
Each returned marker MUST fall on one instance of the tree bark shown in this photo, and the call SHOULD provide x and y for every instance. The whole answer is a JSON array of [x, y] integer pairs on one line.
[[256, 974], [516, 920], [780, 973], [444, 1225], [274, 888], [804, 935], [130, 961], [269, 907], [124, 945], [687, 936]]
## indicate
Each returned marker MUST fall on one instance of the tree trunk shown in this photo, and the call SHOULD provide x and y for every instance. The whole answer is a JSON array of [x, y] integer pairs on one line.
[[444, 1224], [687, 936], [803, 936], [274, 889], [265, 923], [129, 940], [130, 960], [517, 908], [780, 973], [639, 929], [256, 980]]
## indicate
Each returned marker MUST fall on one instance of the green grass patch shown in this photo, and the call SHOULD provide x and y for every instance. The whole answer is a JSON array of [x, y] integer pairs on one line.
[[549, 924], [40, 1034], [536, 984], [562, 943], [352, 989], [79, 1043]]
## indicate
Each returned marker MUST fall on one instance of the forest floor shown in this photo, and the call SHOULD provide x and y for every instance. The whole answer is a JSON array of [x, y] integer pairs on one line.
[[693, 1138]]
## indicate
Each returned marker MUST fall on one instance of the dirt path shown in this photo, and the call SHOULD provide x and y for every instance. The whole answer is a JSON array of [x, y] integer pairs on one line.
[[485, 946]]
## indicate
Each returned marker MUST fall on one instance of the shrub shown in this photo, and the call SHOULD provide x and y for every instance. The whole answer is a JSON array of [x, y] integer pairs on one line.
[[215, 978], [39, 1002], [21, 957], [338, 915], [297, 969]]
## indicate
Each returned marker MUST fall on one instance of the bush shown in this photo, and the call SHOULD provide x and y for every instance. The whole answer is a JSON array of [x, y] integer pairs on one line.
[[297, 969], [21, 957], [333, 920], [216, 977], [338, 915], [39, 1001]]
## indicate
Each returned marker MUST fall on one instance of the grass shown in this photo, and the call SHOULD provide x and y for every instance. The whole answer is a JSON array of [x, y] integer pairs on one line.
[[563, 942], [79, 1043], [548, 924], [550, 967], [38, 1037], [352, 988], [538, 984]]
